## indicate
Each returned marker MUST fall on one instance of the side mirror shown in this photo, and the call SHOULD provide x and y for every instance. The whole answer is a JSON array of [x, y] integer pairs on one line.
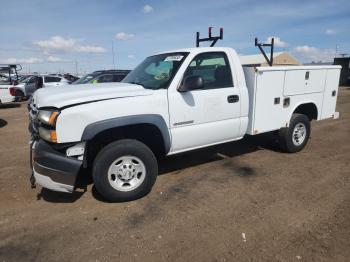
[[191, 83]]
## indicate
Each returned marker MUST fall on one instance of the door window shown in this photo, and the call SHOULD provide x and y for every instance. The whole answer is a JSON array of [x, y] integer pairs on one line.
[[52, 79], [213, 67], [105, 79], [118, 78], [32, 80]]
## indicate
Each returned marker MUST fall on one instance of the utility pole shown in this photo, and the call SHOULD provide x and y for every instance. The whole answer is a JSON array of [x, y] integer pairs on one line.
[[76, 67], [113, 54], [336, 50]]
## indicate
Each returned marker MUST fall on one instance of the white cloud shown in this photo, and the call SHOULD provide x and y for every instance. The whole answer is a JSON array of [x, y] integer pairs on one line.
[[57, 43], [90, 49], [277, 41], [54, 59], [124, 36], [147, 9], [31, 60], [305, 49], [330, 32], [131, 56], [46, 52], [61, 44], [310, 53]]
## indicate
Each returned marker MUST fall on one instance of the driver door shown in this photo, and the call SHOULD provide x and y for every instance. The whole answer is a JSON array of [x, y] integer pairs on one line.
[[207, 116]]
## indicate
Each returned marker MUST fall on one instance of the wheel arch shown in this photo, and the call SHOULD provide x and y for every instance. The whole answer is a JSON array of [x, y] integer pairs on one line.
[[308, 108], [21, 89], [150, 129]]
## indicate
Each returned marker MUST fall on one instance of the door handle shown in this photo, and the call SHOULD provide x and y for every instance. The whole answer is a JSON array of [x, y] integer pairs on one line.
[[233, 99]]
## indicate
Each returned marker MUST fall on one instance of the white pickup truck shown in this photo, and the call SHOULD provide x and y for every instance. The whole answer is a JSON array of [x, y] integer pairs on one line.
[[171, 103], [8, 75], [6, 93]]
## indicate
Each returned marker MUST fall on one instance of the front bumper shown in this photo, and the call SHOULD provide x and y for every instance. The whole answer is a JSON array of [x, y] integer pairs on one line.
[[336, 115], [52, 169]]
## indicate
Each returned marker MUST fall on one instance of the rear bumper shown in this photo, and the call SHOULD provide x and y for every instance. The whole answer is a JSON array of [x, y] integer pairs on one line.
[[52, 169], [7, 99]]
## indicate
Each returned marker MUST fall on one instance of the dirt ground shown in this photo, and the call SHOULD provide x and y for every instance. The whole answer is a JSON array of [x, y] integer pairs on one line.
[[242, 201]]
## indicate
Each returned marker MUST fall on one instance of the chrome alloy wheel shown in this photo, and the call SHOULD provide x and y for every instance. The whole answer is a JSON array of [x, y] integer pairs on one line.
[[299, 134], [126, 173]]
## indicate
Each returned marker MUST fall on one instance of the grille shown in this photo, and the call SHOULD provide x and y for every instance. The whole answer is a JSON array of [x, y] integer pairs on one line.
[[33, 119]]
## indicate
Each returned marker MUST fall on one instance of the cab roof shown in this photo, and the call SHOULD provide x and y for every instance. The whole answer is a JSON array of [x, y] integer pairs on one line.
[[196, 50]]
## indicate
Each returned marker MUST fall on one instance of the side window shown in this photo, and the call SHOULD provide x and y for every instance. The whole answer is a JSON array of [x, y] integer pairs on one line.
[[32, 80], [49, 79], [213, 67], [105, 79], [52, 79], [118, 78]]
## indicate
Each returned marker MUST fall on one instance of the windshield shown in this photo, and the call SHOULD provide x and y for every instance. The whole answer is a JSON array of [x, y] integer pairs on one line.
[[84, 79], [156, 72], [24, 79]]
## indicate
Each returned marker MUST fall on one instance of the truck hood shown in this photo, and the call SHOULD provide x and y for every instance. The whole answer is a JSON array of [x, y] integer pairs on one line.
[[69, 95]]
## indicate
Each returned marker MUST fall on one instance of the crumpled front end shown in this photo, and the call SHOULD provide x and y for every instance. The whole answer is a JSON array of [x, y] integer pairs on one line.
[[54, 166]]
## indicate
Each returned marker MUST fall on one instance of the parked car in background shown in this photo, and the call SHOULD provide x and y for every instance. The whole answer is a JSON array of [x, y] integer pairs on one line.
[[19, 89], [8, 77], [29, 85], [70, 78], [22, 77], [103, 76]]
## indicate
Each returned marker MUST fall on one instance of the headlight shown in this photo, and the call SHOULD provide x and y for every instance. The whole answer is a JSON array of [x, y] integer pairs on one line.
[[48, 135], [48, 117]]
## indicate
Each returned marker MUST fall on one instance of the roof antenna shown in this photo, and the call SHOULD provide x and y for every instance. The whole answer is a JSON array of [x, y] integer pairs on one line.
[[214, 39], [271, 45]]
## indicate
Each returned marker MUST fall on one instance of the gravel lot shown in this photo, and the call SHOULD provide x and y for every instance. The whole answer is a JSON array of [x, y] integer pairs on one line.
[[242, 201]]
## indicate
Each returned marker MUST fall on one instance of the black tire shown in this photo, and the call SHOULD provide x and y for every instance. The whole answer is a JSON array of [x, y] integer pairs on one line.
[[19, 96], [112, 152], [286, 134]]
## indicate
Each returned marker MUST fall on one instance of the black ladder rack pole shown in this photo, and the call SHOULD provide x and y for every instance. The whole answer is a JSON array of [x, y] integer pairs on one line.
[[271, 45], [197, 40], [214, 39]]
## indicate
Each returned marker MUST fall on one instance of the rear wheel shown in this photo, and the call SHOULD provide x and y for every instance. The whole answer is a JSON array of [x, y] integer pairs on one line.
[[19, 96], [125, 170], [295, 137]]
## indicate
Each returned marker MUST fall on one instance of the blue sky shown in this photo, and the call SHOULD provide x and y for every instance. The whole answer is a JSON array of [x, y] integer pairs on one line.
[[50, 36]]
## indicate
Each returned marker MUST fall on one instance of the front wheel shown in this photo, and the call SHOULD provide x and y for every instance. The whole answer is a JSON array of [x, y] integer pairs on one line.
[[125, 170], [295, 137]]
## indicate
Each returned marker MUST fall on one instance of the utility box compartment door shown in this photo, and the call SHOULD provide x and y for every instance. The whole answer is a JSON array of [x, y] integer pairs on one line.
[[268, 111], [330, 93], [304, 81]]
